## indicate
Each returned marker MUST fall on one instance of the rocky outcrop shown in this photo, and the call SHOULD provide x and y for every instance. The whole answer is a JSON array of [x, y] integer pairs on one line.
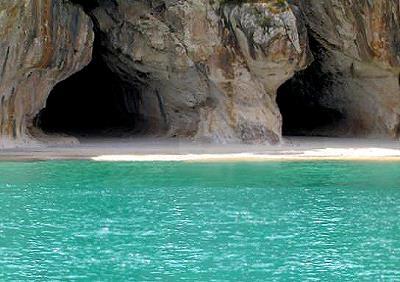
[[206, 70], [359, 58], [203, 70], [41, 43]]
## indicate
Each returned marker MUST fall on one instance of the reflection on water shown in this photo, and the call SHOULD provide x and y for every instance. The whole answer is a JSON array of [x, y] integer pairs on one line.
[[213, 222]]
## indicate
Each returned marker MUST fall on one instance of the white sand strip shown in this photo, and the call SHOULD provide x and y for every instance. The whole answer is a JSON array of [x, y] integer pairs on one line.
[[328, 153], [307, 148]]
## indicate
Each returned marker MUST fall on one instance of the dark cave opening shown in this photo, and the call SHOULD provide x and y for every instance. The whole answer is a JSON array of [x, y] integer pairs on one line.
[[91, 102], [96, 101], [305, 102]]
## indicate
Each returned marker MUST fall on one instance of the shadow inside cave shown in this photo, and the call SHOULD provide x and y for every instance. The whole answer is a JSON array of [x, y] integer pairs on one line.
[[303, 109], [92, 102], [307, 106]]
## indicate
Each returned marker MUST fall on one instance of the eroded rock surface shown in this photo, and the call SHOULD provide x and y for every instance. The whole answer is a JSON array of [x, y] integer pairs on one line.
[[202, 70], [359, 55], [41, 43], [205, 70]]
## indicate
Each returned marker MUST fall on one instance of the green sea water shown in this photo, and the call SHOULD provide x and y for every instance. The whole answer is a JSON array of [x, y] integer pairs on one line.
[[277, 221]]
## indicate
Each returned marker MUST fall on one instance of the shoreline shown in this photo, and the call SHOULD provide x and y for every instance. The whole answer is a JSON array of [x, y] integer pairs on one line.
[[152, 149]]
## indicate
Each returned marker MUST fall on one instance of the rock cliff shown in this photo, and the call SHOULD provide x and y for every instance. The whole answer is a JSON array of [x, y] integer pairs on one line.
[[204, 70], [209, 70], [41, 43]]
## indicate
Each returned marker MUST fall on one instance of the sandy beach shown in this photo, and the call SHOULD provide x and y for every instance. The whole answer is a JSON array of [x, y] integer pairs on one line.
[[144, 149]]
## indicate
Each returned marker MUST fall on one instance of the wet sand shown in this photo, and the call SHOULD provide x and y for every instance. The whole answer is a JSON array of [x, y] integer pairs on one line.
[[146, 149]]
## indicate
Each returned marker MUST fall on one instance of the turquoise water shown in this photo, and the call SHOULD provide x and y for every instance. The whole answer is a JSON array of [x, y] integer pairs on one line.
[[81, 220]]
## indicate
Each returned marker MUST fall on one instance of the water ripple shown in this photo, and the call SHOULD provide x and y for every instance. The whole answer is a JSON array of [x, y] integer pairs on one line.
[[199, 222]]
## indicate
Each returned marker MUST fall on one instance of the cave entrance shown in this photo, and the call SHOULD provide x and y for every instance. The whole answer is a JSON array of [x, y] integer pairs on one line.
[[307, 106], [92, 102]]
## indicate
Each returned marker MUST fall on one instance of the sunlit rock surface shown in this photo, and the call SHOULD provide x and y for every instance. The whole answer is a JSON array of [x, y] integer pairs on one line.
[[204, 70]]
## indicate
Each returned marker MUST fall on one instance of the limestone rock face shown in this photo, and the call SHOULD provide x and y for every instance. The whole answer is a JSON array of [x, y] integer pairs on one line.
[[205, 70], [201, 70], [359, 54], [41, 43]]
